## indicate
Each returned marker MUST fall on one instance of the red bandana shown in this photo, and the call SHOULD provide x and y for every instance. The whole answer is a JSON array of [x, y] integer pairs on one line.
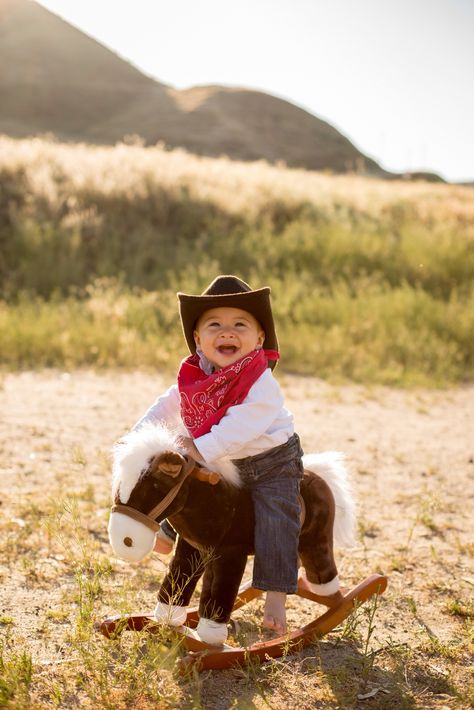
[[206, 398]]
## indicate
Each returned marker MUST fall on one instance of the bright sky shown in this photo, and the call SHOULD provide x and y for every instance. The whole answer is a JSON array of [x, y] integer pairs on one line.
[[395, 76]]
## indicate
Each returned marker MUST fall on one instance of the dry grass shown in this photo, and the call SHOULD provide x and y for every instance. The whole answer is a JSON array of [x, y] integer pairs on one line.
[[412, 651], [234, 187]]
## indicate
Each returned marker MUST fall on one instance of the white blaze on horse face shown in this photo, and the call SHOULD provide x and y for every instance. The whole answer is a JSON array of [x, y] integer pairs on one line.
[[130, 539]]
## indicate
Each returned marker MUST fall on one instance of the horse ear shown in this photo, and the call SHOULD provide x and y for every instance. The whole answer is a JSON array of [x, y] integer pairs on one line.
[[169, 462]]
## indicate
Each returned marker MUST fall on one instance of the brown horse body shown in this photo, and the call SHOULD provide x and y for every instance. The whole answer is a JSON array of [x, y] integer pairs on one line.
[[215, 524], [154, 479]]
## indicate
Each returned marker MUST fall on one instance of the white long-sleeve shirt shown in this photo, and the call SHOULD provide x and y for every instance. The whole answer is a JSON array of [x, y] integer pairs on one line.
[[259, 423]]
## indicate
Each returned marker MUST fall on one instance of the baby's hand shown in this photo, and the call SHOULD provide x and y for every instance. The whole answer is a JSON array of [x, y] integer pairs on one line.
[[191, 449]]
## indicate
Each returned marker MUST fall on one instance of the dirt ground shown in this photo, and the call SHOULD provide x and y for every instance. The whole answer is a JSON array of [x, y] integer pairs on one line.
[[411, 457]]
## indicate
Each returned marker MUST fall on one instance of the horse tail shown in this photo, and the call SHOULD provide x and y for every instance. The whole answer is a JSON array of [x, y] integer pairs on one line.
[[330, 466]]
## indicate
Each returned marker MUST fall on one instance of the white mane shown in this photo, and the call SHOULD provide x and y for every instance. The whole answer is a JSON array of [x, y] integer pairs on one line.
[[132, 454]]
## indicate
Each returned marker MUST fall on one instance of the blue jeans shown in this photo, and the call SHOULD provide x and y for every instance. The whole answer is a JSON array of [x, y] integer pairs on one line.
[[273, 479]]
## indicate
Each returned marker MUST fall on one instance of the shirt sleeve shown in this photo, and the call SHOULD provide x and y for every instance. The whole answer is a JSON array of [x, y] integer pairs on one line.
[[165, 409], [243, 422]]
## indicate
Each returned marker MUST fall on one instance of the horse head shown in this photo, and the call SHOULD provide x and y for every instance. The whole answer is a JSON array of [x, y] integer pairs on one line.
[[147, 488], [133, 523]]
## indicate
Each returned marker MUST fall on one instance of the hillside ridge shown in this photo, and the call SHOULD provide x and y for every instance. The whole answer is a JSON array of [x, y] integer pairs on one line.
[[57, 79]]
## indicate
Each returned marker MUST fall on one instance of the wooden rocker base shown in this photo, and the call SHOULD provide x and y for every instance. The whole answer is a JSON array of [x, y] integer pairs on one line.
[[203, 656]]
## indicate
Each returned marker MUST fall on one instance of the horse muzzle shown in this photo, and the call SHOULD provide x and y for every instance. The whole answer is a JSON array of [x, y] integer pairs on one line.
[[130, 539]]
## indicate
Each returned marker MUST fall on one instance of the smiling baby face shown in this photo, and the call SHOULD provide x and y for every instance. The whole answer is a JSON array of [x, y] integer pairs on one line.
[[227, 334]]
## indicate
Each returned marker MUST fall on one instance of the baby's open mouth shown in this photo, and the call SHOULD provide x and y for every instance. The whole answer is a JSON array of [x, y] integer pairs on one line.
[[227, 349]]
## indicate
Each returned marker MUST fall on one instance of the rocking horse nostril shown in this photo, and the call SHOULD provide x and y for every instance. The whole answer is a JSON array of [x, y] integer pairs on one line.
[[128, 541]]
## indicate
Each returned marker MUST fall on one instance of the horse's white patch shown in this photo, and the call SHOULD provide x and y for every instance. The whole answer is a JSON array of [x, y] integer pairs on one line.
[[228, 471], [324, 590], [130, 539], [212, 632], [330, 466], [132, 454], [170, 614]]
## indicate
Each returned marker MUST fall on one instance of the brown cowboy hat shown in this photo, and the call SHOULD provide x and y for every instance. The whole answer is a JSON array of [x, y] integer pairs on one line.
[[232, 292]]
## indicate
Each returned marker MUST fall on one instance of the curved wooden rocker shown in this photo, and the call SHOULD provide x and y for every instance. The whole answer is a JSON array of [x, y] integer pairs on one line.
[[203, 656]]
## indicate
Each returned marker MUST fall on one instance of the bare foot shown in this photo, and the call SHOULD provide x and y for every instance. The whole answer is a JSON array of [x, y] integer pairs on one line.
[[274, 614], [163, 547]]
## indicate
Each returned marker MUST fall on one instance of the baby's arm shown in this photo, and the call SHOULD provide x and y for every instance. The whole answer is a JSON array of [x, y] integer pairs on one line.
[[190, 447], [244, 422], [165, 408]]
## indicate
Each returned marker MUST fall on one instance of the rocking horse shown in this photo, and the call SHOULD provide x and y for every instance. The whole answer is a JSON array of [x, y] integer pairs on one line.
[[154, 479]]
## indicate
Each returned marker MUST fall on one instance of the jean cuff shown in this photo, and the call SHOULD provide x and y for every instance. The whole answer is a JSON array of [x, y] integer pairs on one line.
[[283, 588], [168, 531]]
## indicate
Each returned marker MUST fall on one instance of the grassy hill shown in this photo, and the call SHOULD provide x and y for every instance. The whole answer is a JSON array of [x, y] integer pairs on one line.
[[372, 280], [55, 79]]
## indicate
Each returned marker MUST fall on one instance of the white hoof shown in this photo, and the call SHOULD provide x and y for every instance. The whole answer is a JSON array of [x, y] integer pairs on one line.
[[323, 590], [212, 632], [170, 614]]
